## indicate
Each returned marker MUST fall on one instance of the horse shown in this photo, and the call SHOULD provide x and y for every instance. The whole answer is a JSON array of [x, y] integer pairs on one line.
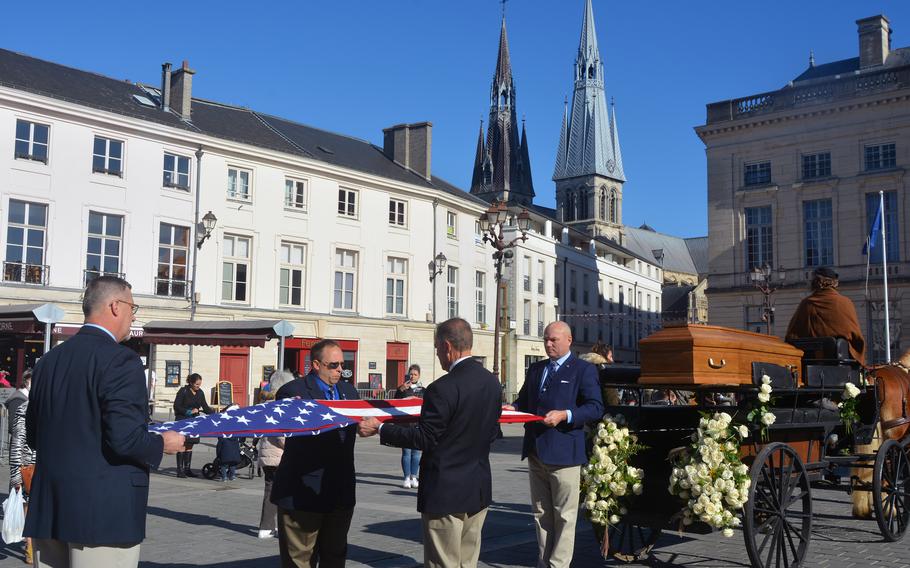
[[893, 384]]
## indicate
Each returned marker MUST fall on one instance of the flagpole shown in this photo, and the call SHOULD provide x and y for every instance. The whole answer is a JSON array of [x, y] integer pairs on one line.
[[881, 197]]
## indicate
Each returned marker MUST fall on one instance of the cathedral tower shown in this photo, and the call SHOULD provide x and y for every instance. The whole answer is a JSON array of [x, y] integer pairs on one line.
[[589, 174], [502, 170]]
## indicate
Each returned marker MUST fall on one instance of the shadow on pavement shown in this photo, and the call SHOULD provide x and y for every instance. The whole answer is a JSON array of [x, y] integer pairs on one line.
[[199, 520], [250, 563]]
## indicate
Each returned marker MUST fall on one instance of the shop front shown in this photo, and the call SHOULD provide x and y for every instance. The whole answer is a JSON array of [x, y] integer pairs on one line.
[[297, 358], [23, 337]]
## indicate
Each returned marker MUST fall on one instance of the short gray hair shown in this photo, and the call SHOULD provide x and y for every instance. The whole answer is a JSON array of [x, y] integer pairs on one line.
[[100, 290], [278, 379], [457, 332]]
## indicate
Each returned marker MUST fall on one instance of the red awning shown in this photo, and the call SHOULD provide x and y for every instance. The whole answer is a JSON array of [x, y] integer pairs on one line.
[[242, 333]]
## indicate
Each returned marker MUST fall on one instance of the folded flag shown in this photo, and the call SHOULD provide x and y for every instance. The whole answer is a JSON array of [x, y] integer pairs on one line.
[[299, 417]]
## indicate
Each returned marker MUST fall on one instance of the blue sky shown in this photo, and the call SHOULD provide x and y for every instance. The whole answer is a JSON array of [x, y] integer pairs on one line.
[[356, 67]]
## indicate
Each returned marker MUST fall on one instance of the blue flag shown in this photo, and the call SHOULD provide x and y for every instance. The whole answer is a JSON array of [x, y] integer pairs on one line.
[[874, 232]]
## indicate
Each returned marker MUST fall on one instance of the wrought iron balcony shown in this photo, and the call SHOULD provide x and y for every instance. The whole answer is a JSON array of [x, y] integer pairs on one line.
[[25, 273], [90, 274]]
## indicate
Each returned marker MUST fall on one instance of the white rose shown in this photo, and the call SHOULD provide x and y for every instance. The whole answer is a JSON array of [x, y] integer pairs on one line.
[[768, 418], [766, 388], [614, 519], [850, 390], [766, 380], [728, 532], [743, 431], [764, 397], [636, 489]]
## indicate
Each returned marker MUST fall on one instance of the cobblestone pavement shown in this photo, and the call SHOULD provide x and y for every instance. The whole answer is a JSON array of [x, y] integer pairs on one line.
[[194, 522]]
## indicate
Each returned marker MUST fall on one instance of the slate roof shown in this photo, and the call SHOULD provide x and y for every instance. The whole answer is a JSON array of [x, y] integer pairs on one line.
[[896, 58], [698, 250], [677, 257], [246, 126]]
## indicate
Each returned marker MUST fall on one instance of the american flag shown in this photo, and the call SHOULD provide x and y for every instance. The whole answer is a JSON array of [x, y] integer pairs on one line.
[[300, 417]]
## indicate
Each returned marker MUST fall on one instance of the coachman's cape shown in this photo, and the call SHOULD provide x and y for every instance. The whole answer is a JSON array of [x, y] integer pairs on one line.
[[827, 313]]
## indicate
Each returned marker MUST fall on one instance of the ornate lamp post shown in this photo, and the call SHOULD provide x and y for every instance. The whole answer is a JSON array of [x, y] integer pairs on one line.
[[491, 225], [763, 279], [435, 267]]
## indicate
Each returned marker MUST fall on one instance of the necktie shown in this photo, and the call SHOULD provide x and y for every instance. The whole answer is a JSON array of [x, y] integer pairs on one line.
[[551, 371], [331, 393]]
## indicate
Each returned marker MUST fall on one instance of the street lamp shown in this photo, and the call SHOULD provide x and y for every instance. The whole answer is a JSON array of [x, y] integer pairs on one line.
[[763, 279], [206, 228], [492, 222], [435, 267]]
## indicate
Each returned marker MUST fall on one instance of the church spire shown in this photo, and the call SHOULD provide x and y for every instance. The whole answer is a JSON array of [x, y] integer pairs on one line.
[[502, 169], [589, 138]]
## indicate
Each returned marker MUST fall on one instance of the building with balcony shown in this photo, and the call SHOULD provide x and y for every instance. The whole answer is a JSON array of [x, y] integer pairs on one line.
[[794, 177]]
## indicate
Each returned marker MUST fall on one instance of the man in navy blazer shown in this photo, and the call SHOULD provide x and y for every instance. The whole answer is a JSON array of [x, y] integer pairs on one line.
[[566, 392], [459, 420], [86, 420], [313, 486]]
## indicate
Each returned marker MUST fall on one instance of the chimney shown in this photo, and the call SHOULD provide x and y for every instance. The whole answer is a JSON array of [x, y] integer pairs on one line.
[[874, 41], [182, 91], [409, 145], [165, 87]]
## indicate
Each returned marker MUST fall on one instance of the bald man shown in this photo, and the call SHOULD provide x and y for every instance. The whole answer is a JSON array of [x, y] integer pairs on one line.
[[566, 392]]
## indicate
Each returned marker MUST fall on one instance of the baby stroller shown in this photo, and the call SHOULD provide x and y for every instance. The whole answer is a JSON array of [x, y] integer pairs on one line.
[[249, 457]]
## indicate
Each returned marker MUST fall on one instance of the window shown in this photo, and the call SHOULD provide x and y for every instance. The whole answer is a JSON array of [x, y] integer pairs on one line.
[[622, 300], [173, 250], [107, 157], [176, 171], [478, 233], [396, 276], [758, 237], [397, 212], [480, 297], [757, 174], [105, 233], [31, 141], [530, 360], [238, 184], [541, 270], [295, 194], [345, 280], [573, 285], [451, 224], [527, 318], [235, 269], [600, 295], [25, 241], [291, 274], [540, 319], [816, 165], [610, 298], [819, 232], [452, 291], [880, 157], [891, 230], [172, 374], [585, 292], [526, 277], [347, 203]]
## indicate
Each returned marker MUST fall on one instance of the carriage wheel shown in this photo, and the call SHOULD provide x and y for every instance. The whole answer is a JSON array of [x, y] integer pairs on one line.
[[777, 519], [890, 488], [629, 542]]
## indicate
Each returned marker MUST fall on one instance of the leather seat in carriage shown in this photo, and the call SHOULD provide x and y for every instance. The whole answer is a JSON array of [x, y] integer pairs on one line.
[[827, 362]]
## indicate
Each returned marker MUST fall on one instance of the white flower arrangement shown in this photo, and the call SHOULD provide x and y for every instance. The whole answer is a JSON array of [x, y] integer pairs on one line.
[[847, 406], [608, 479], [709, 475], [761, 414]]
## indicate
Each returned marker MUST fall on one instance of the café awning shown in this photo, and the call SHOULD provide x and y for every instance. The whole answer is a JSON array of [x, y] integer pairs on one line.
[[238, 333], [28, 318]]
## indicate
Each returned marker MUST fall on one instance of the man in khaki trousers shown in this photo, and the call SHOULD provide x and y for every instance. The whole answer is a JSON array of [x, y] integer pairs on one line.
[[564, 390], [458, 424]]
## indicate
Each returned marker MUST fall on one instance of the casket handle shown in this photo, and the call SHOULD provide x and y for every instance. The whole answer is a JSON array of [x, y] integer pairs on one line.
[[713, 365]]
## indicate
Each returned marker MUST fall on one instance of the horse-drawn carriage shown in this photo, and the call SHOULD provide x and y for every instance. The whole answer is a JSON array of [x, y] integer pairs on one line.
[[709, 370]]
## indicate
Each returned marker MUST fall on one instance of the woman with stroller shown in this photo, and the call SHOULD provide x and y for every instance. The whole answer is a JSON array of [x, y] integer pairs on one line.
[[190, 402], [410, 459]]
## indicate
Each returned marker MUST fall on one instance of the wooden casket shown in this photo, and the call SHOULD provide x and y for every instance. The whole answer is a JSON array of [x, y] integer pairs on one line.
[[710, 355]]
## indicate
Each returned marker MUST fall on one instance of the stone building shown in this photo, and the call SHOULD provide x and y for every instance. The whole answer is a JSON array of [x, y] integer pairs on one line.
[[794, 176]]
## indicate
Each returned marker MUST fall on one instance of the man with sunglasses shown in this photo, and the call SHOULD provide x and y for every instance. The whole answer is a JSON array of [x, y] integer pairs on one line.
[[313, 486], [566, 391], [87, 420]]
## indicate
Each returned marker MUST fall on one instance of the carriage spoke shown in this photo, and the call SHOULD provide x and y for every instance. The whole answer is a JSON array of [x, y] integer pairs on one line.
[[772, 549], [768, 535]]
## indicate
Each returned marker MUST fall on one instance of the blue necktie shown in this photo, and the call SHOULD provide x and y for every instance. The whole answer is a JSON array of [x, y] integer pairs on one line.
[[551, 371]]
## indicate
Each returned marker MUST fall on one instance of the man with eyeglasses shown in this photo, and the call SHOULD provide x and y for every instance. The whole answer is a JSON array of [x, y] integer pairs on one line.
[[564, 390], [313, 486], [87, 420]]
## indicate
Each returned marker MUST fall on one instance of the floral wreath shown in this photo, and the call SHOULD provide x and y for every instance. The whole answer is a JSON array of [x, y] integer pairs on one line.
[[761, 414], [847, 406], [608, 479], [710, 476]]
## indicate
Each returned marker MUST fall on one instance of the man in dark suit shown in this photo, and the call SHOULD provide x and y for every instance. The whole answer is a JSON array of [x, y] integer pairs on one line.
[[458, 422], [86, 420], [566, 392], [313, 486]]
